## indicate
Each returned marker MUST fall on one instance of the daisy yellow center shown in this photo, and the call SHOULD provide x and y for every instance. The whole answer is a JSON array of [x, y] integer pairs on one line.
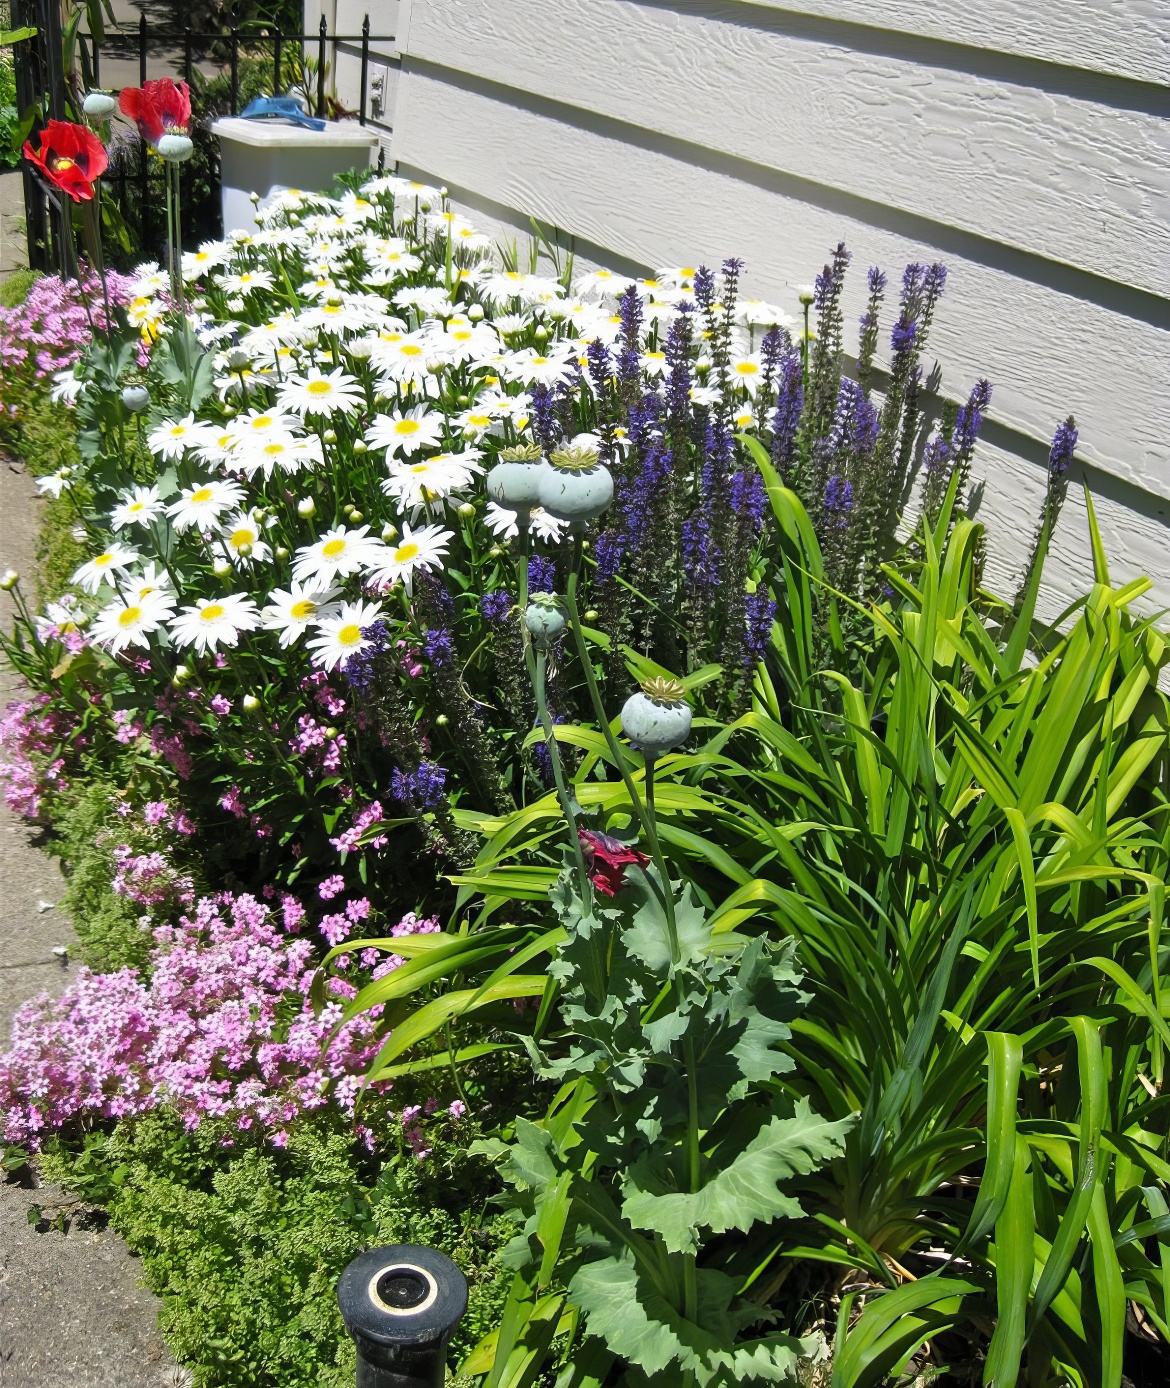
[[410, 350], [539, 361], [332, 548], [146, 590], [212, 612], [178, 430], [360, 202], [655, 356], [406, 426], [102, 560], [245, 279], [461, 336], [203, 494], [272, 449], [136, 506], [320, 387], [747, 368], [480, 421], [242, 537], [262, 421], [405, 553], [421, 467], [350, 635], [332, 308], [300, 610], [202, 255], [129, 616]]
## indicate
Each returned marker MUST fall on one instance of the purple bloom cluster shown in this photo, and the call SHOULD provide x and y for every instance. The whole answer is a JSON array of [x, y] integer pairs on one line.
[[496, 606], [359, 668], [542, 574], [423, 789], [1064, 445]]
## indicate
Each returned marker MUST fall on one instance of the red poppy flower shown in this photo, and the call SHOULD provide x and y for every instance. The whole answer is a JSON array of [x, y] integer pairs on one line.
[[607, 859], [70, 156], [159, 107]]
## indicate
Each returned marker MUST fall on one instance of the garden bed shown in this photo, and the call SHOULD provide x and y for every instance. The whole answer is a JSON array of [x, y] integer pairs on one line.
[[521, 793]]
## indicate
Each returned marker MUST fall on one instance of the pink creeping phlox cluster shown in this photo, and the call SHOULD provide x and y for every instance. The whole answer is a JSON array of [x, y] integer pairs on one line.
[[150, 879], [224, 1029], [30, 734], [348, 840], [50, 330]]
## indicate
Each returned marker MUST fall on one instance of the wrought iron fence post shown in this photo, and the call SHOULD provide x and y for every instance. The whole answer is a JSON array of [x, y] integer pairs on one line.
[[95, 47], [187, 62], [365, 67], [401, 1304], [321, 33], [235, 70], [142, 48], [276, 66]]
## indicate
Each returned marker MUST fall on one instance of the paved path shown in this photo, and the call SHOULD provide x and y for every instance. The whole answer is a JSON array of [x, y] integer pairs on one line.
[[71, 1307], [13, 243]]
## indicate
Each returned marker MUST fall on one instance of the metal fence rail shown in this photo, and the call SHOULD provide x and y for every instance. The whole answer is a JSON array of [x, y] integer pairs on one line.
[[40, 78]]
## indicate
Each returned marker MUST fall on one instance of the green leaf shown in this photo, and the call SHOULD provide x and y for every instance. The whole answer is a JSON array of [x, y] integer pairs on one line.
[[746, 1190]]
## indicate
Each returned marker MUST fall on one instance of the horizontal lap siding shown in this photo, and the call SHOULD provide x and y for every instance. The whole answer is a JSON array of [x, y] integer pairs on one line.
[[656, 133]]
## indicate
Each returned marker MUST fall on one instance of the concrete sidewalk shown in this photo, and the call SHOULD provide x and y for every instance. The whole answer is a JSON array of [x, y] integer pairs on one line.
[[72, 1310], [13, 244]]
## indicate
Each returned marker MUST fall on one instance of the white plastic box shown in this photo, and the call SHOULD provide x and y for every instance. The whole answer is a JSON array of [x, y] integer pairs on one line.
[[268, 156]]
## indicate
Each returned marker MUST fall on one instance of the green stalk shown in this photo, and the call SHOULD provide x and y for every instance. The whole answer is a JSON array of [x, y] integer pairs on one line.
[[644, 816], [537, 663]]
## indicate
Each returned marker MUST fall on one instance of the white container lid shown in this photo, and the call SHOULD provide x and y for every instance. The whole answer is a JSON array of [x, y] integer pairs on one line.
[[274, 134]]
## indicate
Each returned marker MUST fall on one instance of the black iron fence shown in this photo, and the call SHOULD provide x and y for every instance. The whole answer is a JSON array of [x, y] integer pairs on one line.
[[240, 69]]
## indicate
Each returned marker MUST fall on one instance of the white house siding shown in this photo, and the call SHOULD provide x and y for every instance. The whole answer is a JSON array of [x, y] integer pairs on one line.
[[1024, 142]]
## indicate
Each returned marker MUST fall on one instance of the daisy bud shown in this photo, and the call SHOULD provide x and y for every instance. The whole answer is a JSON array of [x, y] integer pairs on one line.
[[230, 410], [389, 532], [259, 515], [806, 293], [360, 446], [250, 703], [495, 552], [306, 508], [475, 312], [9, 580], [348, 509], [330, 734], [591, 614], [221, 568], [330, 435], [66, 471], [703, 365], [280, 552], [466, 510], [98, 104], [357, 517], [541, 334], [236, 304], [442, 720], [293, 220], [244, 550], [253, 198], [181, 676], [443, 191], [424, 207]]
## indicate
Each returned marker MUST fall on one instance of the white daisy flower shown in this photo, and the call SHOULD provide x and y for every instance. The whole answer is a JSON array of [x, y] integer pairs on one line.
[[151, 583], [341, 635], [407, 432], [748, 371], [102, 567], [317, 393], [654, 363], [53, 485], [337, 554], [215, 622], [532, 367], [292, 611], [174, 436], [137, 507], [288, 452], [67, 388], [417, 549], [242, 536], [427, 483], [129, 623], [247, 282], [257, 425], [501, 521], [405, 360], [602, 282], [431, 300], [201, 505]]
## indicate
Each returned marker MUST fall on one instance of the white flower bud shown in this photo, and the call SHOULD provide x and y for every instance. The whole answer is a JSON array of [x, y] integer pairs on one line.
[[306, 508], [250, 703], [360, 446], [389, 532], [9, 580], [221, 568], [330, 436], [475, 312]]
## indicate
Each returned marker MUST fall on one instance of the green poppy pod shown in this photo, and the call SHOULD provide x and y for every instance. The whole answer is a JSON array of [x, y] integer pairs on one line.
[[175, 149], [657, 718], [543, 618], [135, 398], [575, 486]]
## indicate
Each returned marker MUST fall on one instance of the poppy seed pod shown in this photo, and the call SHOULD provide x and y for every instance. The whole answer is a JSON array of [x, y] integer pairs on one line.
[[657, 718], [575, 486], [175, 149], [514, 482], [543, 618], [98, 104], [135, 398]]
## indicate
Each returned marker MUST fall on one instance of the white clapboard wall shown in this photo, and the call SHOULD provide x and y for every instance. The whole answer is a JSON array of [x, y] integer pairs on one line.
[[1026, 143]]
